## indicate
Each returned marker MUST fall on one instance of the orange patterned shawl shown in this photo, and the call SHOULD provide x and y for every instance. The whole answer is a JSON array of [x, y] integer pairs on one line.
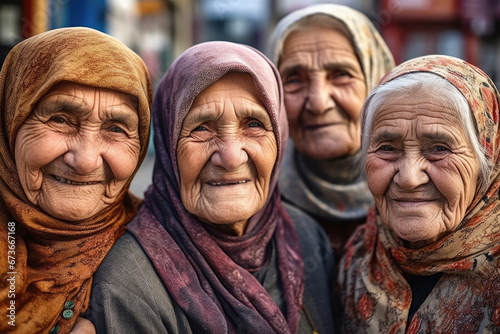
[[53, 260], [375, 294]]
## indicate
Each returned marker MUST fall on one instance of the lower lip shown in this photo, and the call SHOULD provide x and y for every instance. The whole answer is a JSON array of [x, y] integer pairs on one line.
[[77, 184], [411, 204], [227, 184], [316, 127]]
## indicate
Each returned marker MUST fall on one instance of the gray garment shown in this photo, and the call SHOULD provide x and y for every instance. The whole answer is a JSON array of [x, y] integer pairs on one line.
[[129, 297]]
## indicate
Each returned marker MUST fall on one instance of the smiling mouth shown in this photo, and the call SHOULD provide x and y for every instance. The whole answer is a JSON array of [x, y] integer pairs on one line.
[[63, 180], [216, 184], [412, 202], [320, 126]]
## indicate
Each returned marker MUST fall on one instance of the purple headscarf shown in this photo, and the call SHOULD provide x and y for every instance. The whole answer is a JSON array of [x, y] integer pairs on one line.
[[208, 273]]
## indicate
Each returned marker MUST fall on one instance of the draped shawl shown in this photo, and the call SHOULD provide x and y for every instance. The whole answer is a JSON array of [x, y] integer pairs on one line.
[[53, 260], [375, 294], [332, 189], [207, 273]]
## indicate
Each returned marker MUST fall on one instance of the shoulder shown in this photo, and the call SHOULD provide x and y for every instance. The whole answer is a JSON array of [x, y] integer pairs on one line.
[[300, 218], [125, 257], [126, 271], [127, 295], [319, 268], [310, 233], [315, 245]]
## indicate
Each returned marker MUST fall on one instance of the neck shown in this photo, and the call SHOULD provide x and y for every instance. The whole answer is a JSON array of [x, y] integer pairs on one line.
[[235, 229], [342, 170]]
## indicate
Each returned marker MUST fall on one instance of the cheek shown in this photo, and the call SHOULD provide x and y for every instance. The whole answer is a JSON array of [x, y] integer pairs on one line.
[[456, 182], [293, 105], [351, 100], [35, 149], [191, 158], [353, 109], [264, 154], [379, 175], [122, 158]]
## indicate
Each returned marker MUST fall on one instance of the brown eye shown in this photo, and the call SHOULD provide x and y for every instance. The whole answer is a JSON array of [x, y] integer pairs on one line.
[[440, 148], [58, 119], [386, 148], [200, 128], [292, 79], [255, 124], [117, 129]]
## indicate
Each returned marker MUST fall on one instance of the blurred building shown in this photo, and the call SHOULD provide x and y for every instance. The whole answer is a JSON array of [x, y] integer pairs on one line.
[[467, 29]]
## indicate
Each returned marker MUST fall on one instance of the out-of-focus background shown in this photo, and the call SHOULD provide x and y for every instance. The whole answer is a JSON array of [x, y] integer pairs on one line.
[[160, 30]]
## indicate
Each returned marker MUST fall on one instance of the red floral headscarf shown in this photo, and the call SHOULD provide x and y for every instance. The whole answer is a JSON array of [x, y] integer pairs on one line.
[[376, 297]]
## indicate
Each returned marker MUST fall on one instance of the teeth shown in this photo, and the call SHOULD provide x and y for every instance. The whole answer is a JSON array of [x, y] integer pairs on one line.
[[220, 183], [63, 180]]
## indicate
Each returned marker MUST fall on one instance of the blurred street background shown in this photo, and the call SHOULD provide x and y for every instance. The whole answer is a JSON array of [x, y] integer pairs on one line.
[[160, 30]]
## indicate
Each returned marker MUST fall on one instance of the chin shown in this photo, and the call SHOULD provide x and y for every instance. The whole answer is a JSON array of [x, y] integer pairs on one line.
[[322, 155], [70, 214]]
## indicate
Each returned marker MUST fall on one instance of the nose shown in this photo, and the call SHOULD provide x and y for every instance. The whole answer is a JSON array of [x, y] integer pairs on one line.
[[85, 155], [230, 154], [411, 173], [319, 98]]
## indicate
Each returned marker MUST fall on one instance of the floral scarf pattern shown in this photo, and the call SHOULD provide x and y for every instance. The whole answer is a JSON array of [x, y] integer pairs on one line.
[[375, 294]]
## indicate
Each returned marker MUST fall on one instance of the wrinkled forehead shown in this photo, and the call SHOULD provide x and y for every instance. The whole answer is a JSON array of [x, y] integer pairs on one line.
[[81, 100], [308, 24]]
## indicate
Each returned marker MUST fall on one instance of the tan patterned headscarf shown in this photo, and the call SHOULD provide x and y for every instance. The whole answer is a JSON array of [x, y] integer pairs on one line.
[[46, 266], [373, 53], [332, 190], [375, 294]]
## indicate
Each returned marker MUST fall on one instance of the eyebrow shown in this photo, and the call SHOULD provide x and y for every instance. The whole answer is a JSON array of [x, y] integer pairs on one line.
[[428, 136], [62, 102], [386, 136], [74, 105], [119, 112], [327, 67], [438, 137], [205, 114]]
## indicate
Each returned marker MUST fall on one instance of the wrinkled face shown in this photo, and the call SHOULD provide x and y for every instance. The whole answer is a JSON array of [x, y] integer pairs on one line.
[[77, 149], [421, 169], [324, 92], [226, 153]]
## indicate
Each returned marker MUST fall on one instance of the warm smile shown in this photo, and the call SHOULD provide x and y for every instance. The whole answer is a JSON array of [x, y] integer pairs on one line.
[[226, 183], [313, 127], [63, 180], [406, 202]]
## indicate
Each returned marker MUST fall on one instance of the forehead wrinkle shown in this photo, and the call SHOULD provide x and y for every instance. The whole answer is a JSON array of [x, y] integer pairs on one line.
[[206, 112], [386, 135], [349, 64], [64, 101], [119, 113], [422, 129], [253, 110], [443, 133], [119, 108]]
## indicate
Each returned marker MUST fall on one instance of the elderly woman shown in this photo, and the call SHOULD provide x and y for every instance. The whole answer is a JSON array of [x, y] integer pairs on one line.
[[427, 261], [213, 250], [74, 128], [329, 57]]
